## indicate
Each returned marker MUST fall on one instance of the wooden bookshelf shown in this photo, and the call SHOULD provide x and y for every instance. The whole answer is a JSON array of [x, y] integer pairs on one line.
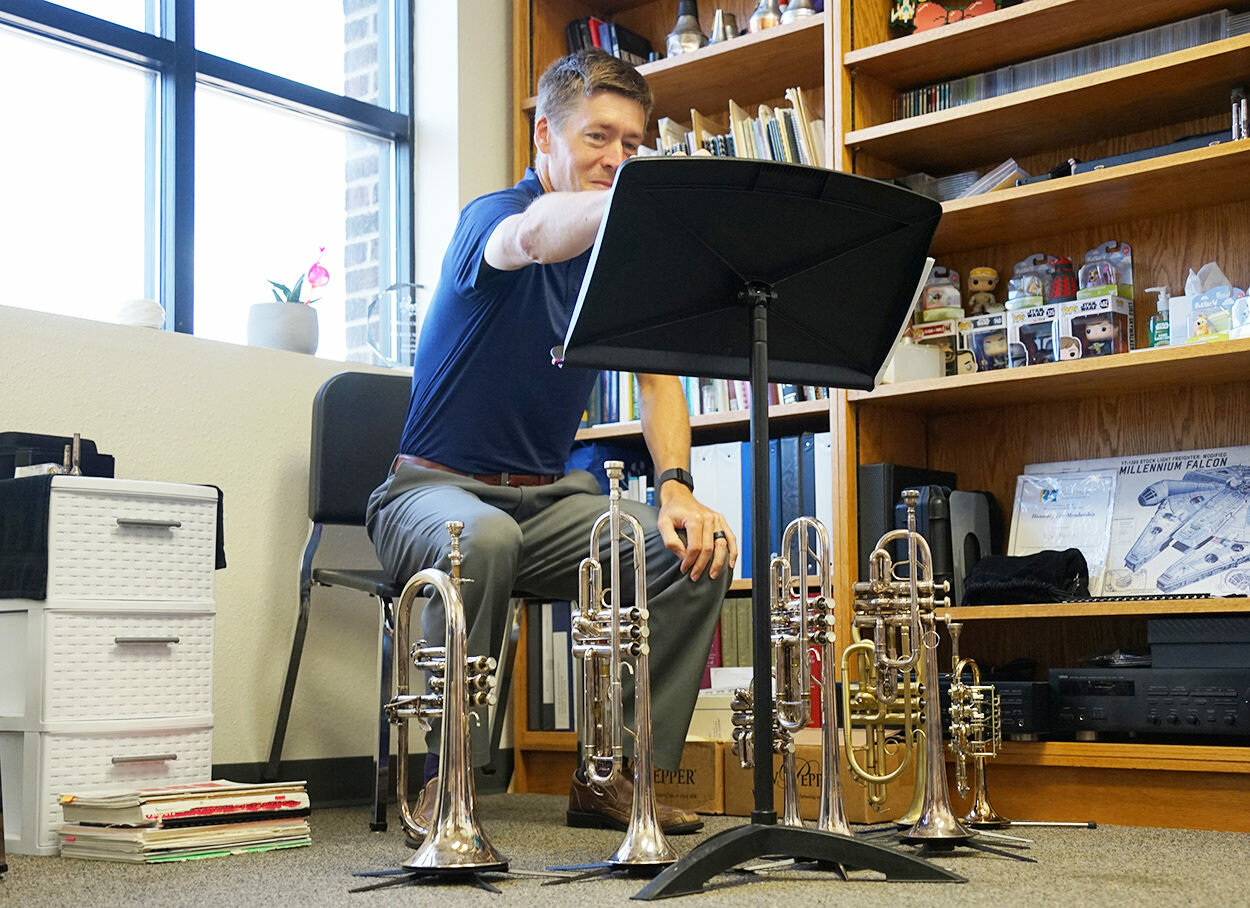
[[1178, 212], [1161, 90]]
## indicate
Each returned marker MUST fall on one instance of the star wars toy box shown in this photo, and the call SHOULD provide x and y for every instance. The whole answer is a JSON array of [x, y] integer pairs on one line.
[[985, 337], [1097, 326], [945, 336], [1032, 334], [1178, 521]]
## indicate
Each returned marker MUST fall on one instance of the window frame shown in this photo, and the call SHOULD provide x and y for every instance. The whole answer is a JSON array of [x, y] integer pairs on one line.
[[179, 68]]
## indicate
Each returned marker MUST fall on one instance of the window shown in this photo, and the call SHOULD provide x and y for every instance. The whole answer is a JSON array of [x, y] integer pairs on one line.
[[151, 165]]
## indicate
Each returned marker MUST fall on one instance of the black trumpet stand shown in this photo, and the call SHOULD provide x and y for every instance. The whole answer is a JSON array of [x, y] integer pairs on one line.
[[742, 269]]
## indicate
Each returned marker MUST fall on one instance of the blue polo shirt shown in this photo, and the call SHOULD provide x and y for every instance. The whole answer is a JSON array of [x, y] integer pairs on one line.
[[485, 395]]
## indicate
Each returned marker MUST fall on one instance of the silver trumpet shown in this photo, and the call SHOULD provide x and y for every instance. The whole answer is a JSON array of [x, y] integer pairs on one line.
[[457, 683], [605, 635], [900, 608], [799, 620], [976, 733]]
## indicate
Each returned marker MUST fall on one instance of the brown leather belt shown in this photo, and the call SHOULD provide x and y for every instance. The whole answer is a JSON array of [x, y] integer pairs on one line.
[[493, 479]]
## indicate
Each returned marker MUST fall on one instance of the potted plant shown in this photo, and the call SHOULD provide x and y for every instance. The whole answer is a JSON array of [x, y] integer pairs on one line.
[[289, 323]]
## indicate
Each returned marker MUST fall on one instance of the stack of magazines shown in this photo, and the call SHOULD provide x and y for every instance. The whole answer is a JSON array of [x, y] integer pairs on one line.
[[184, 822]]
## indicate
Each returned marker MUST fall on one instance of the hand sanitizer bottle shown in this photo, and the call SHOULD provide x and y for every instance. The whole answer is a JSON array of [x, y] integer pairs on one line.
[[1160, 327]]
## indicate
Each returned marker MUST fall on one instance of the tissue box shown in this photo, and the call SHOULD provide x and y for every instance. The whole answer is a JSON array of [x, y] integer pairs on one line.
[[1032, 335], [1095, 327], [985, 337]]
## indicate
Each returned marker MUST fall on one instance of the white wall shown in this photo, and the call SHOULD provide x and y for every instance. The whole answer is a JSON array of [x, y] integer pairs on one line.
[[183, 409]]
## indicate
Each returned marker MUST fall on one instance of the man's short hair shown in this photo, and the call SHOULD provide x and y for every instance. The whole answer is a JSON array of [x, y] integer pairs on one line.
[[580, 75]]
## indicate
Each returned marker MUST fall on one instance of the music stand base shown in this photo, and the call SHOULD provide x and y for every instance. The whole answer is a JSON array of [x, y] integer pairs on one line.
[[734, 846]]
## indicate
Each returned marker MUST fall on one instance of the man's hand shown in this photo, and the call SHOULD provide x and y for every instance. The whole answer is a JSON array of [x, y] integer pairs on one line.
[[703, 546]]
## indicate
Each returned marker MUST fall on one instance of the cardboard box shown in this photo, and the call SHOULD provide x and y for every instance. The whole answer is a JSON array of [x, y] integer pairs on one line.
[[740, 793], [699, 783]]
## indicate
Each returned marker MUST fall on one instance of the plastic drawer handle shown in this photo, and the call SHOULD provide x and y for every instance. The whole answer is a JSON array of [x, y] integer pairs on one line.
[[140, 522], [146, 758], [123, 641]]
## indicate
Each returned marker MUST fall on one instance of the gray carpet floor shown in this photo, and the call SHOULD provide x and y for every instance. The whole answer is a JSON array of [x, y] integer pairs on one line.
[[1110, 865]]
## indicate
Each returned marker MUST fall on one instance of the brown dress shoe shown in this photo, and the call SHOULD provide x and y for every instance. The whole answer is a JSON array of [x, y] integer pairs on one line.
[[610, 806], [422, 815]]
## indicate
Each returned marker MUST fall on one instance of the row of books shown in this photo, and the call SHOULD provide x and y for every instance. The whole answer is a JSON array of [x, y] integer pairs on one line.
[[184, 822], [788, 134], [1070, 64], [619, 41], [615, 397]]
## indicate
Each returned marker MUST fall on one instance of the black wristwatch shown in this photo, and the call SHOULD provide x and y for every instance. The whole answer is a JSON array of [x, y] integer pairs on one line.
[[677, 473]]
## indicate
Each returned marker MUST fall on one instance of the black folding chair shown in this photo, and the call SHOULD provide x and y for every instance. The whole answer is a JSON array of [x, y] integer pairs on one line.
[[356, 424]]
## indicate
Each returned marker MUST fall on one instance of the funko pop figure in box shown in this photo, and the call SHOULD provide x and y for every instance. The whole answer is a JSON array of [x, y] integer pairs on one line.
[[1100, 334], [981, 284]]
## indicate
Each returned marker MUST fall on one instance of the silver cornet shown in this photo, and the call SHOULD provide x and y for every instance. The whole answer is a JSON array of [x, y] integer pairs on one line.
[[457, 683], [976, 733], [799, 620], [605, 635]]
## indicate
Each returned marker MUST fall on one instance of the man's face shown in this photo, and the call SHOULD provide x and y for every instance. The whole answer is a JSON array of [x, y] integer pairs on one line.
[[600, 133]]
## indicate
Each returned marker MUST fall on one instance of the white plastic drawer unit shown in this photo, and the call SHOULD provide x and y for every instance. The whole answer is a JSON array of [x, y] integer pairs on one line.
[[125, 539], [39, 768], [134, 665]]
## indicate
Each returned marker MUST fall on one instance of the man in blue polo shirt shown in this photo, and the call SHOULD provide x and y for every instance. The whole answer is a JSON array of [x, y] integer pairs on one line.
[[492, 422]]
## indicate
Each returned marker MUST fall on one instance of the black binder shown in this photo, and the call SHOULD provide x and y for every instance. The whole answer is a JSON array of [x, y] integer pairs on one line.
[[881, 487]]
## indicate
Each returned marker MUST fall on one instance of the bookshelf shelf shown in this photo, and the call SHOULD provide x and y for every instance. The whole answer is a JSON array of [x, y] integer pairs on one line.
[[706, 426], [1154, 369], [986, 42], [1130, 98], [1108, 755], [1189, 179], [1106, 609]]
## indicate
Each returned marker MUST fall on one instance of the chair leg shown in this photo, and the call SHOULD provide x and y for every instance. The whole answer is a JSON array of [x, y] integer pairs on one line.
[[297, 651], [503, 675], [382, 756]]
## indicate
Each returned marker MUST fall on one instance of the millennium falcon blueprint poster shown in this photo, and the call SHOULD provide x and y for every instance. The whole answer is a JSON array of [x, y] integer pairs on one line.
[[1180, 522]]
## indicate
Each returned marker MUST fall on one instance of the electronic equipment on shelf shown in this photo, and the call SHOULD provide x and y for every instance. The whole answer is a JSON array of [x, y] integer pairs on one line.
[[1211, 702]]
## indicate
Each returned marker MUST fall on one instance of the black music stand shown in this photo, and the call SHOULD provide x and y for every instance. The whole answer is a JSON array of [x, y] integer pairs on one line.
[[734, 268]]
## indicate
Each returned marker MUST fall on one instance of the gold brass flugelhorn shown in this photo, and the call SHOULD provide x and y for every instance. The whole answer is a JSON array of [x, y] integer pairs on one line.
[[900, 608], [605, 635], [798, 621], [457, 682], [976, 733]]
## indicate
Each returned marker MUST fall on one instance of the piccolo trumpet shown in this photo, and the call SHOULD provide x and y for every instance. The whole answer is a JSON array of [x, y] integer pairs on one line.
[[455, 843], [976, 733], [610, 637]]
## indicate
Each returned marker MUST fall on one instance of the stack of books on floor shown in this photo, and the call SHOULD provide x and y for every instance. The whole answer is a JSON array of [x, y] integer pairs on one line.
[[184, 822]]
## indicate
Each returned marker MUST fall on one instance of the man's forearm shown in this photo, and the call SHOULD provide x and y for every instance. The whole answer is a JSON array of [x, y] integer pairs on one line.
[[555, 228], [665, 422]]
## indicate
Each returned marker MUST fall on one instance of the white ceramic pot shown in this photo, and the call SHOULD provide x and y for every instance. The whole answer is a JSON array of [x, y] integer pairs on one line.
[[283, 326]]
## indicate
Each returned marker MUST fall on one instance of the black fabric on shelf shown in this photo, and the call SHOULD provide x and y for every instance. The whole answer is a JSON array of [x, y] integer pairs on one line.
[[1047, 576], [24, 537]]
